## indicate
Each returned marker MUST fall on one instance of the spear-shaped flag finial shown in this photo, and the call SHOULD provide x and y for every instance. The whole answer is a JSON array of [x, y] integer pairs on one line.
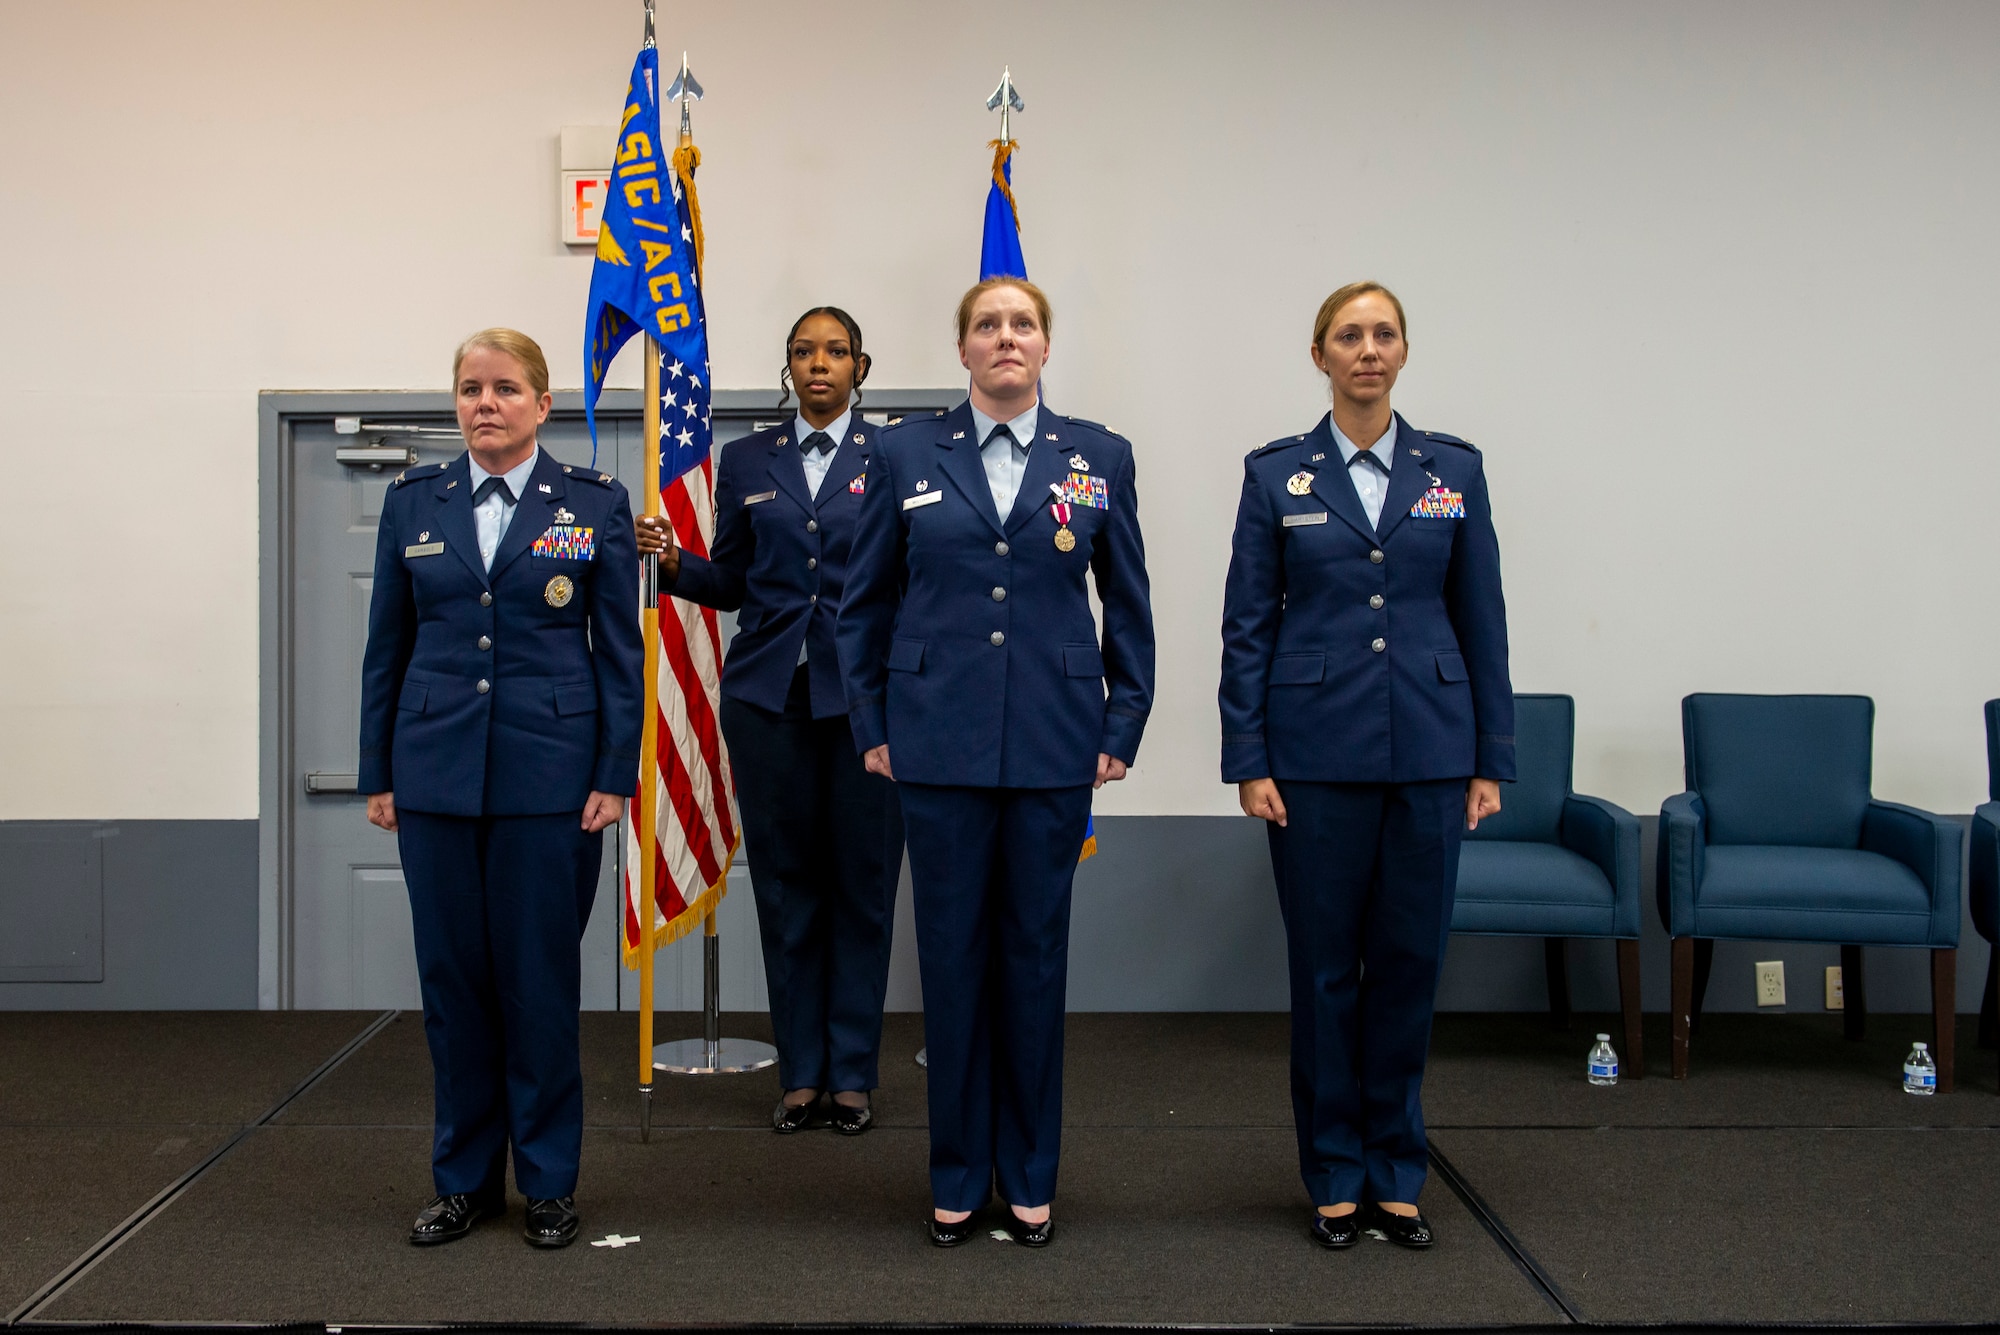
[[648, 44], [686, 91], [1004, 100]]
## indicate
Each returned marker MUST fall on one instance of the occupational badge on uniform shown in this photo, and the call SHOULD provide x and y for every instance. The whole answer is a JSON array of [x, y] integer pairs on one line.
[[923, 484], [1078, 462], [1065, 540], [1082, 489], [559, 591], [1299, 483], [564, 517], [565, 543], [425, 536], [1439, 503], [859, 485]]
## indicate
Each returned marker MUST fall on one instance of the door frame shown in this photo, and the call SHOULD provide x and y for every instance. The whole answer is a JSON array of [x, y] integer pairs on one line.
[[278, 788]]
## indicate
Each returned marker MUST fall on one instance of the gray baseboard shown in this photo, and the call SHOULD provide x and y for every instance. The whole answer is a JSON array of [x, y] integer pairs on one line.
[[1175, 913], [128, 915]]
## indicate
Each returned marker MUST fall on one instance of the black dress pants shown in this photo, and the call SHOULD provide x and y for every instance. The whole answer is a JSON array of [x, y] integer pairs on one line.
[[824, 839]]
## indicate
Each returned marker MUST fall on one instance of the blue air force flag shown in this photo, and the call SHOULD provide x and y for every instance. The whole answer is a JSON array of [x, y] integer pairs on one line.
[[1000, 246], [646, 279]]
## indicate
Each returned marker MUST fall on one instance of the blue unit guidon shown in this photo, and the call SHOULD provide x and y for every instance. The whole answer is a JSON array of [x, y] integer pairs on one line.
[[566, 543], [1083, 489], [1439, 503]]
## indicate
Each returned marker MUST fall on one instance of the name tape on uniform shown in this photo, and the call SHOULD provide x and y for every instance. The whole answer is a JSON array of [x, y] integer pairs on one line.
[[424, 549], [1301, 521], [760, 497], [916, 502]]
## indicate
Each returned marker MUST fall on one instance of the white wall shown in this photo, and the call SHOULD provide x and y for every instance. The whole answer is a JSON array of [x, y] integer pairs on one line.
[[1712, 285]]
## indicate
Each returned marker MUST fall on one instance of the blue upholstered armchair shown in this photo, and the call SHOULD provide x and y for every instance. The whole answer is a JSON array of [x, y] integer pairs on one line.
[[1985, 878], [1556, 865], [1778, 838]]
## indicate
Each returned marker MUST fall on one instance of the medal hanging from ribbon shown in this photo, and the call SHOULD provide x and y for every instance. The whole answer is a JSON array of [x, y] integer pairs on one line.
[[1065, 540]]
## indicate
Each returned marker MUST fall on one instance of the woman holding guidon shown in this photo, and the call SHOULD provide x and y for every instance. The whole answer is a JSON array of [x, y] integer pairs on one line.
[[1367, 715], [824, 837], [976, 680]]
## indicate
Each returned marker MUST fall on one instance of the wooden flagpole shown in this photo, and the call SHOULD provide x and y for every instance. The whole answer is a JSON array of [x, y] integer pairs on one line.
[[647, 816]]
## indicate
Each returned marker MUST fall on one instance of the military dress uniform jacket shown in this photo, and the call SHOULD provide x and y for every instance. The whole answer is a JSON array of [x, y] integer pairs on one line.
[[1352, 655], [780, 555], [966, 639], [510, 694]]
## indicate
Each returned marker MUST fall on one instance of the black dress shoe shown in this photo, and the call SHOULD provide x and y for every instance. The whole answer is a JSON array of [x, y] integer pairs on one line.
[[448, 1218], [1404, 1230], [1337, 1232], [789, 1119], [851, 1121], [1027, 1234], [551, 1223], [951, 1235]]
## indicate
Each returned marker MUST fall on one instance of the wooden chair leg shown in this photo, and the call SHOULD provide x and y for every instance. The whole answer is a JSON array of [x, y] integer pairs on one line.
[[1704, 960], [1989, 1005], [1683, 1002], [1555, 961], [1944, 1015], [1628, 1001], [1854, 993]]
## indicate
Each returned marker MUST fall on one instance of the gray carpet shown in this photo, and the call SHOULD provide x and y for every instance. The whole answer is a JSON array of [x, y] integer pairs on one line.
[[1790, 1179]]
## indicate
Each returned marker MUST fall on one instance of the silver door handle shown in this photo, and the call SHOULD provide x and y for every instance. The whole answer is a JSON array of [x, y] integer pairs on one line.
[[322, 781]]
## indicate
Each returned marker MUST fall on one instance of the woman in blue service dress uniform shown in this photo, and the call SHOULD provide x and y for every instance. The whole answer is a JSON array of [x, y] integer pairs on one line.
[[500, 716], [976, 680], [1367, 715], [824, 837]]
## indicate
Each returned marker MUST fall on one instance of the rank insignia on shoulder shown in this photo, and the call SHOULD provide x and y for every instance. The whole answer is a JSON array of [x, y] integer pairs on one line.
[[604, 477], [566, 468], [563, 516], [859, 485], [895, 421], [400, 476], [1299, 483], [1078, 462]]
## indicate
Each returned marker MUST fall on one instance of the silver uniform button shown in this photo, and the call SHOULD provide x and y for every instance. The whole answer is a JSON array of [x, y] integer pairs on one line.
[[1376, 556], [999, 595], [486, 600], [1379, 645], [812, 563], [999, 549], [812, 525], [484, 686], [815, 597], [1376, 602], [486, 642], [997, 638]]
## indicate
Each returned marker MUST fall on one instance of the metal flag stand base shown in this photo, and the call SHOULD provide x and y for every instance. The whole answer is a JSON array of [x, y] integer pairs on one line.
[[712, 1054]]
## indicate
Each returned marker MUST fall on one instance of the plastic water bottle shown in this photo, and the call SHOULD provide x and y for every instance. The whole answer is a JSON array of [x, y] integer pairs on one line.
[[1603, 1062], [1919, 1072]]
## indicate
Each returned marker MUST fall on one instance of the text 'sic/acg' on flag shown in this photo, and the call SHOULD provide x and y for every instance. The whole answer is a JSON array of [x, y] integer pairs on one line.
[[647, 275]]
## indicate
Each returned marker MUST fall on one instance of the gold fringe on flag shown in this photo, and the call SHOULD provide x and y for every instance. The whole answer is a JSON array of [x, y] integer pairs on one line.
[[686, 158], [1002, 150]]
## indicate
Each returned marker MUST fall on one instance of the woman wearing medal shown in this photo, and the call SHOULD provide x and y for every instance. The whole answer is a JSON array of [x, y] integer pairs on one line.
[[824, 837], [1368, 717], [976, 680], [500, 724]]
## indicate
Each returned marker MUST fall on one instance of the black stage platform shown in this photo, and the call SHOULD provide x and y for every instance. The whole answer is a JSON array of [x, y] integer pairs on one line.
[[262, 1168]]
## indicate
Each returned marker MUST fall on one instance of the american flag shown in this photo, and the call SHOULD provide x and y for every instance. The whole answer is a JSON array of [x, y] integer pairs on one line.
[[647, 277]]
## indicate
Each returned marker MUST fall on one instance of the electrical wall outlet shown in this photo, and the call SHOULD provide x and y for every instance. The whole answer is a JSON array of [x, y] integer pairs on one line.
[[1770, 982], [1836, 997]]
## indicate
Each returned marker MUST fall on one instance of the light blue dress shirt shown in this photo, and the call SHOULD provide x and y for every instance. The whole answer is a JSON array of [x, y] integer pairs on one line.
[[1005, 467], [816, 463], [1371, 486], [492, 516]]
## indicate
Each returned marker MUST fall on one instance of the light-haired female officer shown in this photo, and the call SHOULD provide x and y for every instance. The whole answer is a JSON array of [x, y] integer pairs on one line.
[[500, 723], [824, 836], [975, 678], [1367, 715]]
